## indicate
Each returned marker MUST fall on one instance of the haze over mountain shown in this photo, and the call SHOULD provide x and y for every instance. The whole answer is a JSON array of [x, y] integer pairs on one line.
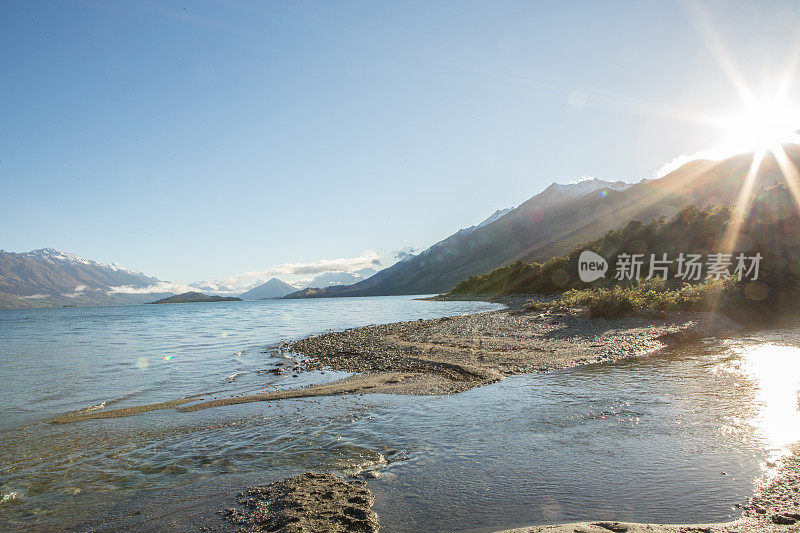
[[48, 277], [559, 218], [275, 288], [328, 279]]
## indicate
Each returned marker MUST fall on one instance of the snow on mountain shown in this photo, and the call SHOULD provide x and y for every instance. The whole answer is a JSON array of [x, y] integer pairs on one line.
[[51, 255], [497, 214], [569, 191]]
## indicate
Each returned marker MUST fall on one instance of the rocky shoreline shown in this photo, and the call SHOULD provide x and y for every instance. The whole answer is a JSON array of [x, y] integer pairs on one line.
[[449, 355], [454, 354]]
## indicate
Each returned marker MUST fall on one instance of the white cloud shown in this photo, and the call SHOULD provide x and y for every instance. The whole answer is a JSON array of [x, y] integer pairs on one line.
[[161, 286], [80, 290], [581, 180], [342, 264], [675, 164], [246, 280]]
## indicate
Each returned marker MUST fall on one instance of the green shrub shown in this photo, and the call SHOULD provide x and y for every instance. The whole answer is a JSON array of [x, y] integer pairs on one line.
[[647, 298]]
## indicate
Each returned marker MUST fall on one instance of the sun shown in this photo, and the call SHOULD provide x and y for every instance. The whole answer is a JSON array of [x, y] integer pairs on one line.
[[761, 126]]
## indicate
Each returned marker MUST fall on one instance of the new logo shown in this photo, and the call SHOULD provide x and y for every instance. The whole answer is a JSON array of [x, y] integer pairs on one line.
[[591, 266]]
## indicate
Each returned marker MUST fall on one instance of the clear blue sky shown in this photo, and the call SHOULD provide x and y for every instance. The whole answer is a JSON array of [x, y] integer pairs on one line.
[[197, 140]]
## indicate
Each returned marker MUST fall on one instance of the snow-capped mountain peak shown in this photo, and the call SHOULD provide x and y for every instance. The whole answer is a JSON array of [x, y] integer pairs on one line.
[[53, 256]]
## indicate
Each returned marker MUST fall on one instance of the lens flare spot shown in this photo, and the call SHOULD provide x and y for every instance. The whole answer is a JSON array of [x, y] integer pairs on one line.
[[603, 193], [142, 363], [167, 357]]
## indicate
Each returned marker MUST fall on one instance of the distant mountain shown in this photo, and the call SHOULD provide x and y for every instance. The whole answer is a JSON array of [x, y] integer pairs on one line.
[[559, 218], [195, 297], [48, 277], [273, 288], [329, 279]]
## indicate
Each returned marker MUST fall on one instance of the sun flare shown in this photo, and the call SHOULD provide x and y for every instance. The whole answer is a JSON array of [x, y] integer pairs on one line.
[[761, 126]]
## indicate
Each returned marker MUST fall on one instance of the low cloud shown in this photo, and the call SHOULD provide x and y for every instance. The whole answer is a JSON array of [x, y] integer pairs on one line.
[[246, 280], [581, 180], [79, 291], [675, 164], [342, 264], [161, 286], [404, 252]]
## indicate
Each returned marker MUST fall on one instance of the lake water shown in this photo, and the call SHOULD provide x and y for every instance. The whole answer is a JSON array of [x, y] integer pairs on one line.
[[643, 440]]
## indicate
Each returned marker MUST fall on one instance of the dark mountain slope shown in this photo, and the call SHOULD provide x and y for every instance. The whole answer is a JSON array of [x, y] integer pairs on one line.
[[541, 227]]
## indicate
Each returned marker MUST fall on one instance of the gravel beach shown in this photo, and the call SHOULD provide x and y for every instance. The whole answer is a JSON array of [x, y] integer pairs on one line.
[[451, 355]]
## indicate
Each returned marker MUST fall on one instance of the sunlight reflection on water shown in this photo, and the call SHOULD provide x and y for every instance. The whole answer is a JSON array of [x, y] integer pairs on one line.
[[775, 371]]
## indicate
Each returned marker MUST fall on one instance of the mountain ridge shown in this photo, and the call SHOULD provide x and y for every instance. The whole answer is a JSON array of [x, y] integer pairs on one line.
[[548, 225]]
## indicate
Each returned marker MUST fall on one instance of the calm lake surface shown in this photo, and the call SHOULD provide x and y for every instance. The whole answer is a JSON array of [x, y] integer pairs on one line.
[[644, 440]]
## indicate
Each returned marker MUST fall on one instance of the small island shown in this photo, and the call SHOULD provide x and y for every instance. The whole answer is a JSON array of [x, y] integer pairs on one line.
[[194, 297]]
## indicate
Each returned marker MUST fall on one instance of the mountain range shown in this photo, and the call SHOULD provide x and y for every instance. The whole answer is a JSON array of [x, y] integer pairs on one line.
[[559, 218], [548, 224], [275, 288], [48, 277]]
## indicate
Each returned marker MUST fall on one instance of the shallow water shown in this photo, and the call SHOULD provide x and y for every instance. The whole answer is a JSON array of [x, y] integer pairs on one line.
[[644, 440]]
